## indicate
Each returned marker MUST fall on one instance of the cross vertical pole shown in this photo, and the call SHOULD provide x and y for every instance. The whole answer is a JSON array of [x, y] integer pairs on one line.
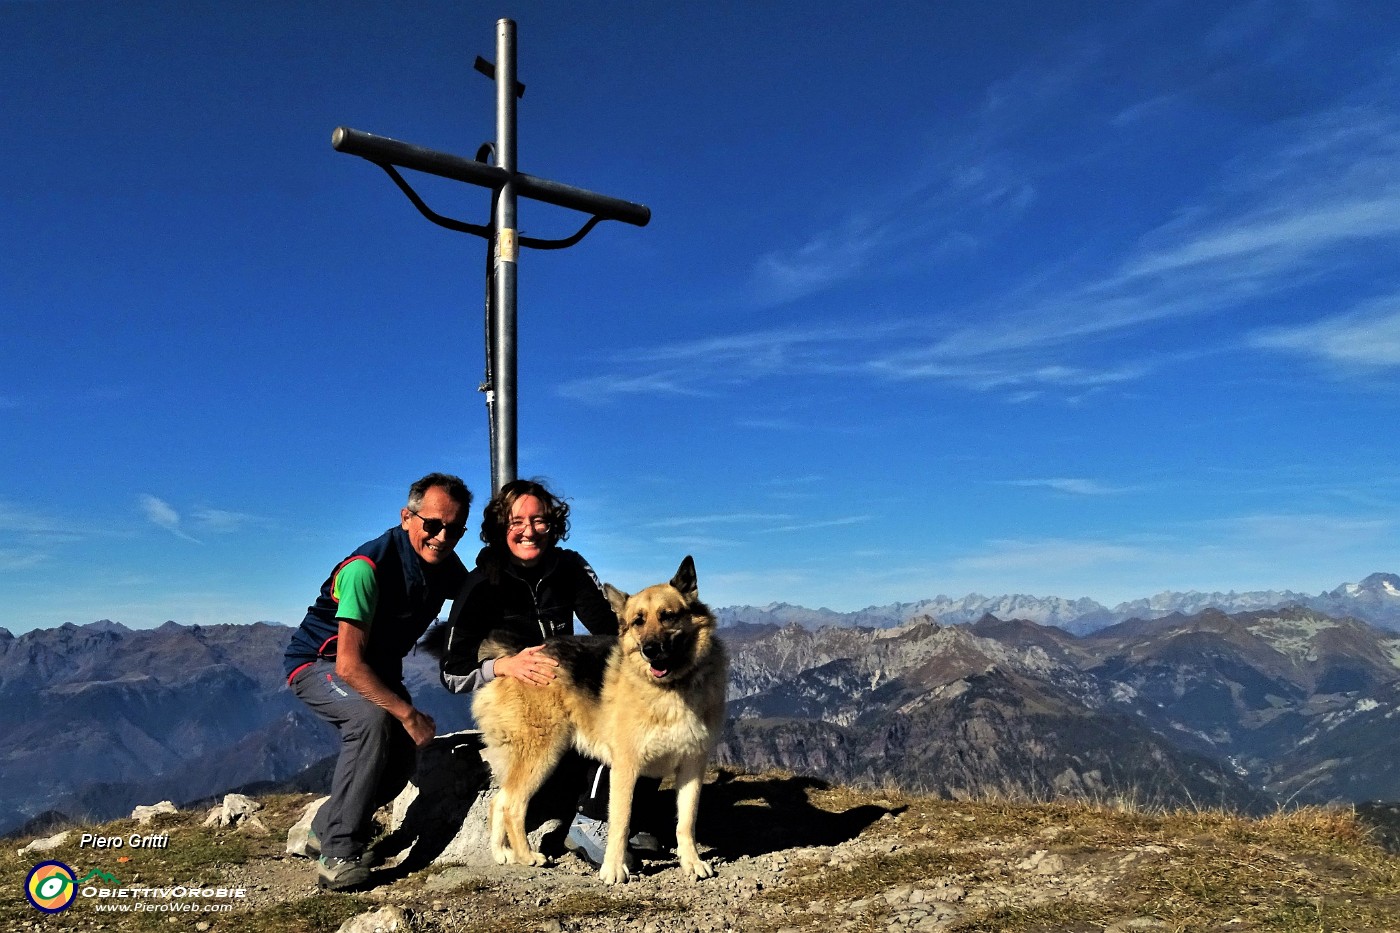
[[505, 243]]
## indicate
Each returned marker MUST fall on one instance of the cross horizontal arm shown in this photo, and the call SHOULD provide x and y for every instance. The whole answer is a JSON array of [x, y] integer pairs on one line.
[[382, 149]]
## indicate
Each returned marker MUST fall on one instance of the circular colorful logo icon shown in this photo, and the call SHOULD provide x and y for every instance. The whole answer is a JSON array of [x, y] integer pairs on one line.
[[51, 887]]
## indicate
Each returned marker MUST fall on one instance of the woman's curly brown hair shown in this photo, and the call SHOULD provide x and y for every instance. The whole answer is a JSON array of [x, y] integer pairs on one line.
[[496, 516]]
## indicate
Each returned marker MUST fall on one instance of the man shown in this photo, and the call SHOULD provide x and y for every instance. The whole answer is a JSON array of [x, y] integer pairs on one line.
[[345, 661]]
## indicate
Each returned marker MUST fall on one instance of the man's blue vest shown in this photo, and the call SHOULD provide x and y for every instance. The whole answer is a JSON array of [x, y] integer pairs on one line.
[[411, 595]]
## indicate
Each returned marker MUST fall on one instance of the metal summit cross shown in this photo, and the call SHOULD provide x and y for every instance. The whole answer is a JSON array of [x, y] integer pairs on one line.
[[501, 234]]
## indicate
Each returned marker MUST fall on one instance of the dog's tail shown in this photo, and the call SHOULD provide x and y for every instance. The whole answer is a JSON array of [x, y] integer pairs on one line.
[[501, 643]]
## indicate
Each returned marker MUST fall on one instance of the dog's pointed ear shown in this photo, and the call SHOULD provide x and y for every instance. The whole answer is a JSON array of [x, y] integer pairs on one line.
[[684, 580], [616, 598]]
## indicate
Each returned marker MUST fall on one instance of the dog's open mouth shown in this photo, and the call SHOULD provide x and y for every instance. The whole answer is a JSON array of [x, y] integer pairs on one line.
[[660, 672]]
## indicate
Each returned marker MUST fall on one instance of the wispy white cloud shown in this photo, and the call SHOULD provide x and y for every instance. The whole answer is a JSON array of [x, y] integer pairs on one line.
[[734, 518], [763, 522], [698, 542], [163, 515], [1363, 340], [800, 348], [1073, 486], [1032, 558], [15, 519], [1283, 220], [223, 521], [796, 488], [807, 479], [937, 363], [826, 258], [778, 425], [708, 365], [1241, 552], [1304, 201], [944, 210], [1302, 531], [607, 387], [824, 523], [16, 559], [1265, 243], [1144, 109]]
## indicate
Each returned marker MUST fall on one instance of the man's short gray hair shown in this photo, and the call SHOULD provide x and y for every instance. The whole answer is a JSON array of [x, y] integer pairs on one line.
[[450, 484]]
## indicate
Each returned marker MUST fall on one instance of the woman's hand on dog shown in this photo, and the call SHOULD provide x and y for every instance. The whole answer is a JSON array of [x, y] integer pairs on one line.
[[530, 665]]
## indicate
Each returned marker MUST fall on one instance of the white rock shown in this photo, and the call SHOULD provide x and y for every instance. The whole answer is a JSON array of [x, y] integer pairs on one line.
[[144, 815], [44, 845], [253, 827], [298, 834], [237, 807], [442, 817], [383, 920]]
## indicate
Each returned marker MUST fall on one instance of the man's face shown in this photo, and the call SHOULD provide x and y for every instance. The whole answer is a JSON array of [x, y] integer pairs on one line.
[[438, 507]]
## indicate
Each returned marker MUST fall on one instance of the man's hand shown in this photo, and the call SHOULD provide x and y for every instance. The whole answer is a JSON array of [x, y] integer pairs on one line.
[[420, 726], [351, 667], [531, 665]]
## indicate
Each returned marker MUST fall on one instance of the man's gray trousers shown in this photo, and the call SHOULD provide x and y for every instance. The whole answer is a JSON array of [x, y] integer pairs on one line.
[[377, 757]]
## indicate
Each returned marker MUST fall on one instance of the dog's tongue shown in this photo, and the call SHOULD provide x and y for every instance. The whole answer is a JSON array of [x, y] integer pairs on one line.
[[658, 673]]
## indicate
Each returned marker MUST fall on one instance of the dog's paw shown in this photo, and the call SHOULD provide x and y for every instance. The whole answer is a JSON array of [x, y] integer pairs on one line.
[[617, 875], [507, 856], [696, 868]]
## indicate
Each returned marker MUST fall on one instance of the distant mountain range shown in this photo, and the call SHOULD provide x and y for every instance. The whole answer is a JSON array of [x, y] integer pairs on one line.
[[1247, 711], [1376, 599], [96, 719], [1202, 703]]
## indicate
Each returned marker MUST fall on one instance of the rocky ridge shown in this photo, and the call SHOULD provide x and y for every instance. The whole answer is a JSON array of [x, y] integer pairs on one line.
[[794, 854]]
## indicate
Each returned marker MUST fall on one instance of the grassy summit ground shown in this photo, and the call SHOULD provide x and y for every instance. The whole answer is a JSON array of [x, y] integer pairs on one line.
[[796, 854]]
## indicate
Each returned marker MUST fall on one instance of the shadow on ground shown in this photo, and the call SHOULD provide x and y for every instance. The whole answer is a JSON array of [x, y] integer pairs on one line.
[[756, 816], [1384, 820], [740, 816]]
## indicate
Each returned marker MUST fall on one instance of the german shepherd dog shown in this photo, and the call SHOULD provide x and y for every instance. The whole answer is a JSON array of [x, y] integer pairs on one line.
[[649, 702]]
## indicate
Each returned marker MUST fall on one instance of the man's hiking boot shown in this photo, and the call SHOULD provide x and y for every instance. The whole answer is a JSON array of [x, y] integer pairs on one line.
[[340, 874], [589, 838], [368, 858]]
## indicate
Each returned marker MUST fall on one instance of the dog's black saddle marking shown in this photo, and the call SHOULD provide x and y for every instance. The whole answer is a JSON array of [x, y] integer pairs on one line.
[[584, 657]]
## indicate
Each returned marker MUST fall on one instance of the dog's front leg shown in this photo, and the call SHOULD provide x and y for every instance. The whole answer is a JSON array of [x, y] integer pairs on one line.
[[499, 850], [689, 778], [621, 782], [509, 843]]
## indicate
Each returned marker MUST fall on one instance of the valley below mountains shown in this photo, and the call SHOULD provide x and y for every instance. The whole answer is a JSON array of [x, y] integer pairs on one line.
[[1207, 707]]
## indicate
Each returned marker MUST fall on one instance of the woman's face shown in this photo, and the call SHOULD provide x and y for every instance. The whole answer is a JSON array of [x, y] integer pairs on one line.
[[528, 535]]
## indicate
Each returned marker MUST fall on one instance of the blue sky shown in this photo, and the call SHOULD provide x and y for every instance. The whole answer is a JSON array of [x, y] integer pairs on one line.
[[1076, 299]]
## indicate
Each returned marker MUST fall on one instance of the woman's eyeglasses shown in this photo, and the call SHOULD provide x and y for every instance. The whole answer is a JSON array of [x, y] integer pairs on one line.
[[539, 523]]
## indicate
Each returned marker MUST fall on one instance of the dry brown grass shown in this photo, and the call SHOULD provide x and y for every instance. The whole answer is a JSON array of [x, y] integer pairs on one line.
[[1308, 870]]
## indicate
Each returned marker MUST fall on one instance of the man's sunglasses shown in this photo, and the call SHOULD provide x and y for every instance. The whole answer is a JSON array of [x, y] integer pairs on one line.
[[433, 526]]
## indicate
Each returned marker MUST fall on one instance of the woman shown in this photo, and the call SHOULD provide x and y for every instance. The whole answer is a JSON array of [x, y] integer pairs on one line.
[[527, 588]]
